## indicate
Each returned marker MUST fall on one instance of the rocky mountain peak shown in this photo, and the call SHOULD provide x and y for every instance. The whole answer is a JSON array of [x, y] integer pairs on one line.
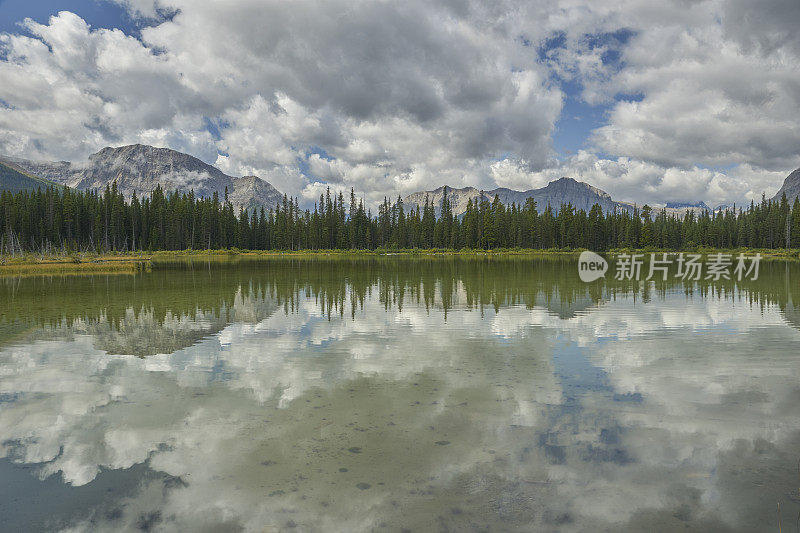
[[791, 187], [564, 180], [251, 192], [571, 184], [556, 193], [140, 168]]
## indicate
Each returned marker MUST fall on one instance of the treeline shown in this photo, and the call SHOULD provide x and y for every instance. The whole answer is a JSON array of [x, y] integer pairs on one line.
[[53, 220], [342, 285]]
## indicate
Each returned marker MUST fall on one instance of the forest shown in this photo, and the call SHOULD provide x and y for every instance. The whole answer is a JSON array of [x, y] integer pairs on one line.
[[51, 220]]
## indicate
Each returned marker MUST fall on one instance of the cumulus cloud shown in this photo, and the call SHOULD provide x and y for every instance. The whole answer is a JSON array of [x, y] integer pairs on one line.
[[143, 9], [70, 90], [404, 97], [634, 180]]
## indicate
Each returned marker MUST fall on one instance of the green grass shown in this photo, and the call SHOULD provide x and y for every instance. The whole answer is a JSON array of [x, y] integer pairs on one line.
[[790, 254], [131, 263], [36, 265]]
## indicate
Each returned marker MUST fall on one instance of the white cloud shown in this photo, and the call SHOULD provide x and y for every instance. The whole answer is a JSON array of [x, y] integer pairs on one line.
[[708, 99], [634, 180], [142, 8], [71, 90], [410, 96]]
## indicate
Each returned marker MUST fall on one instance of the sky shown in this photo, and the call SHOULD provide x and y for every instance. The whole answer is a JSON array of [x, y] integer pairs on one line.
[[653, 102]]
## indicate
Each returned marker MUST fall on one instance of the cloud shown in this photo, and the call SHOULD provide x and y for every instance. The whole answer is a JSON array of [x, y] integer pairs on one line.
[[406, 97], [143, 9], [71, 90], [637, 181], [720, 90], [769, 29]]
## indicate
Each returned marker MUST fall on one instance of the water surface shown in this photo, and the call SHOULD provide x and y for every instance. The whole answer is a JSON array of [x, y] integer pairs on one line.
[[391, 394]]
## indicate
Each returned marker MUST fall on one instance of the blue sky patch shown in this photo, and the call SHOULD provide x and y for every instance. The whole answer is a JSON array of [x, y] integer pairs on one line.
[[215, 127], [577, 120], [95, 13]]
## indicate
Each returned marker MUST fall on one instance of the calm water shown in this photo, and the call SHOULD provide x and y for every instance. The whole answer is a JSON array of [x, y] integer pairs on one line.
[[398, 394]]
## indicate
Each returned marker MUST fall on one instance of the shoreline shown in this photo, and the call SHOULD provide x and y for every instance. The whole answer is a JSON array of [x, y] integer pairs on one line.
[[133, 263]]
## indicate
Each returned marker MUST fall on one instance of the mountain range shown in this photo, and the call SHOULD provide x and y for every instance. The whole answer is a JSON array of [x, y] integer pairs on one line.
[[565, 190], [139, 169], [556, 193], [688, 205]]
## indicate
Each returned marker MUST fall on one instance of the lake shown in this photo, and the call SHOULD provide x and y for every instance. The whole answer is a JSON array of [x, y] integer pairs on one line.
[[398, 394]]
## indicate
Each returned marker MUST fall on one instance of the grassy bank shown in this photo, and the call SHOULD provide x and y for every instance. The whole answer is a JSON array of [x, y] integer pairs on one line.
[[37, 265], [132, 263], [766, 254], [791, 254]]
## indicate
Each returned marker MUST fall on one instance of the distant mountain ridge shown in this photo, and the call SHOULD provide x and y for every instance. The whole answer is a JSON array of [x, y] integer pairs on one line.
[[580, 195], [139, 169], [686, 205], [561, 191]]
